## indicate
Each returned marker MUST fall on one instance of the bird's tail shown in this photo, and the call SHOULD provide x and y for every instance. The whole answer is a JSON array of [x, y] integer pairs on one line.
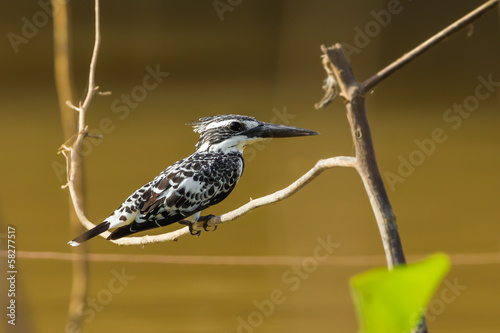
[[135, 227], [98, 229], [120, 232]]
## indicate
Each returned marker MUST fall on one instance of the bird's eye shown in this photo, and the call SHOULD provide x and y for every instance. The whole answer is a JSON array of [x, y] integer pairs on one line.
[[235, 126]]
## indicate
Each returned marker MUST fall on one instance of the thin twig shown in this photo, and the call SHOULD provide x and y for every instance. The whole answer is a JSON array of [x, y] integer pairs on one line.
[[322, 165], [437, 38], [72, 154]]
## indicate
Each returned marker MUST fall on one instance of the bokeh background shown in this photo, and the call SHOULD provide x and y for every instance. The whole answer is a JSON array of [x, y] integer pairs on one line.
[[261, 58]]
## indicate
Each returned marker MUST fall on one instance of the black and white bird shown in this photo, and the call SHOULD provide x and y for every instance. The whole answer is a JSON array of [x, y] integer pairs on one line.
[[195, 183]]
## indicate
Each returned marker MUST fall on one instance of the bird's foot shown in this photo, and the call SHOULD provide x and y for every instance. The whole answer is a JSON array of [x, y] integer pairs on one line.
[[205, 219], [190, 226], [192, 232]]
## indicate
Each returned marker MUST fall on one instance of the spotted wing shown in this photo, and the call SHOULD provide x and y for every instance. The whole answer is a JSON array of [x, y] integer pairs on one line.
[[185, 188]]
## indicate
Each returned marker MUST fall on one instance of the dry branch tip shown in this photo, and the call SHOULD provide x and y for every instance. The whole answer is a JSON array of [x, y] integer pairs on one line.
[[330, 84]]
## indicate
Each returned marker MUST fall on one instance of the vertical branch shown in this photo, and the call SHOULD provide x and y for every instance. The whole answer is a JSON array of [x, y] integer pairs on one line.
[[79, 286], [341, 81], [72, 153], [366, 163]]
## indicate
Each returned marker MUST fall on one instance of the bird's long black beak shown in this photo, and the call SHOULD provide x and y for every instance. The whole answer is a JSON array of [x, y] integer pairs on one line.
[[268, 130]]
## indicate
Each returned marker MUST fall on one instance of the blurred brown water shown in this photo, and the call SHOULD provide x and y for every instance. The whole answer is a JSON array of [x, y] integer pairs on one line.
[[261, 60]]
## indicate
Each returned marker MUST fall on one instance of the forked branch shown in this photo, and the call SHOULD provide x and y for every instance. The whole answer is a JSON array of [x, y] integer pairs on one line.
[[71, 149], [341, 81]]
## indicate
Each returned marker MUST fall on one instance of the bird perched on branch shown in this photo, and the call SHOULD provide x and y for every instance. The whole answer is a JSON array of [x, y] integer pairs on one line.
[[195, 183]]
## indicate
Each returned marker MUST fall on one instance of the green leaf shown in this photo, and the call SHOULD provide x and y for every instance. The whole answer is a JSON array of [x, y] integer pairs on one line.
[[393, 301]]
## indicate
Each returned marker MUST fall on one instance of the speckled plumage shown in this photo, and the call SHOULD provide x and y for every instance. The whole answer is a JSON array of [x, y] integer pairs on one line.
[[183, 189], [195, 183]]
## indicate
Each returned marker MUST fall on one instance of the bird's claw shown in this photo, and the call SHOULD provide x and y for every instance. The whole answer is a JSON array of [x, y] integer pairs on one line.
[[203, 219], [205, 225], [197, 233], [190, 226]]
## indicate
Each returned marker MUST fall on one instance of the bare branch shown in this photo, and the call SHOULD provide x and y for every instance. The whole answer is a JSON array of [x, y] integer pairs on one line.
[[342, 81], [72, 154], [322, 165], [365, 154], [330, 85], [434, 40]]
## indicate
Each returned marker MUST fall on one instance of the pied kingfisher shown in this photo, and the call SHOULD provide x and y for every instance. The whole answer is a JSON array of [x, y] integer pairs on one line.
[[197, 182]]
